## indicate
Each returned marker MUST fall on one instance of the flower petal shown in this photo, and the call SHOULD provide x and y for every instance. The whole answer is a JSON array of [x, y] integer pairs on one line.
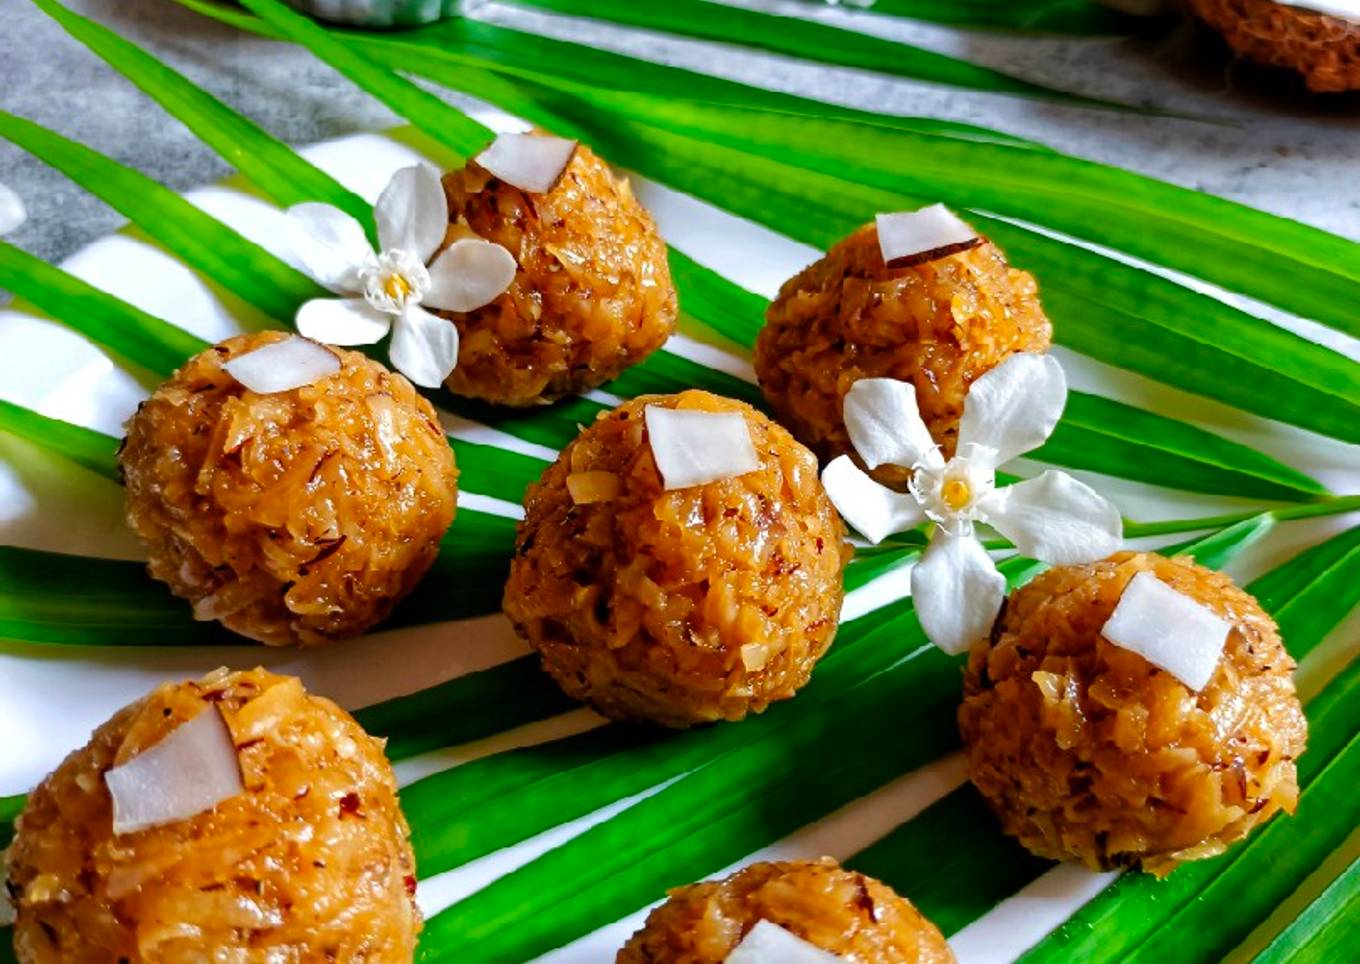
[[342, 321], [1013, 407], [12, 211], [874, 510], [468, 274], [329, 244], [885, 423], [412, 212], [1055, 519], [957, 591], [424, 347]]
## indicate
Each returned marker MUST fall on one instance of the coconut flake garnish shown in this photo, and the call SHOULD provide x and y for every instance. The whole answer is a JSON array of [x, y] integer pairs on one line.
[[283, 365], [530, 162], [692, 447], [190, 771], [915, 237], [1168, 629], [768, 943]]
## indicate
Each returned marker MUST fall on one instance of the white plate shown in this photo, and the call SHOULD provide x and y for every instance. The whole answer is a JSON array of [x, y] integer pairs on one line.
[[51, 697]]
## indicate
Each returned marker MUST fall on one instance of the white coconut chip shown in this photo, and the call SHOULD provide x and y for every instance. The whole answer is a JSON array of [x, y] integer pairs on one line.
[[915, 237], [283, 365], [768, 943], [190, 771], [530, 162], [1348, 10], [693, 447], [1168, 629]]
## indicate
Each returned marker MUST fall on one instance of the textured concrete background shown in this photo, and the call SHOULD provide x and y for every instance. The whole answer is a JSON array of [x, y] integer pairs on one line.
[[1277, 149]]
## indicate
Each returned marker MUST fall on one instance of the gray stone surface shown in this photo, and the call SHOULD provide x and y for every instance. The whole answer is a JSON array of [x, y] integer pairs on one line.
[[1271, 147]]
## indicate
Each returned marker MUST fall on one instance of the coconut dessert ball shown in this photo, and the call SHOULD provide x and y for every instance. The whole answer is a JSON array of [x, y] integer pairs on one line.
[[938, 324], [1324, 49], [292, 517], [592, 294], [678, 605], [235, 818], [1089, 752], [847, 914]]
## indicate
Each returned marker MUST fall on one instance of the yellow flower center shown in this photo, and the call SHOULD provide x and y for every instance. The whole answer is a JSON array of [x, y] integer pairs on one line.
[[956, 494], [396, 286]]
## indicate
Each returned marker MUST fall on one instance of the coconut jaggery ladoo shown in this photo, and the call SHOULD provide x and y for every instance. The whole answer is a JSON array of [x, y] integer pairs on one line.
[[1318, 39], [1136, 712], [291, 491], [934, 305], [802, 910], [680, 562], [592, 294], [231, 818]]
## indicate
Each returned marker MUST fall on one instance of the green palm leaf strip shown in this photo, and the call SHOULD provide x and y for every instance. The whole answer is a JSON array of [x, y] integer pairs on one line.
[[124, 329], [1096, 436], [241, 267], [807, 39], [549, 59], [1324, 931], [270, 164], [459, 133], [1114, 312], [86, 447], [1053, 16], [1223, 242]]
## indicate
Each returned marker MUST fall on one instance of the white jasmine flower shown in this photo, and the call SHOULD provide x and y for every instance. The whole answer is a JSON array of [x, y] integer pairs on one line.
[[12, 213], [1009, 411], [386, 289]]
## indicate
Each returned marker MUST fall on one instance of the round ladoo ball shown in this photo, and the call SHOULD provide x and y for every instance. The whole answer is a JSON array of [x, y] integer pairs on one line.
[[1088, 752], [296, 517], [1325, 50], [677, 606], [845, 913], [592, 295], [309, 862], [939, 325]]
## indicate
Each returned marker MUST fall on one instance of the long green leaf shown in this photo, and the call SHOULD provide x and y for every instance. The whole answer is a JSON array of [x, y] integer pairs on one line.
[[1054, 16], [458, 132], [1114, 312], [137, 336], [1182, 456], [1325, 930], [809, 39], [241, 267], [94, 450], [271, 165], [517, 50]]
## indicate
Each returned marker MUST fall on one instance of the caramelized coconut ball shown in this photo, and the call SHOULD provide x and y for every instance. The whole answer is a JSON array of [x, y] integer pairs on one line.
[[1088, 752], [310, 862], [1324, 50], [677, 606], [938, 325], [592, 296], [295, 517], [843, 912]]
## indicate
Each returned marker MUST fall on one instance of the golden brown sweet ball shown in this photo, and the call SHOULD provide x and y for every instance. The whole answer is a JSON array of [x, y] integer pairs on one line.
[[685, 605], [1088, 752], [292, 517], [845, 913], [592, 295], [1325, 50], [938, 325], [309, 861]]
